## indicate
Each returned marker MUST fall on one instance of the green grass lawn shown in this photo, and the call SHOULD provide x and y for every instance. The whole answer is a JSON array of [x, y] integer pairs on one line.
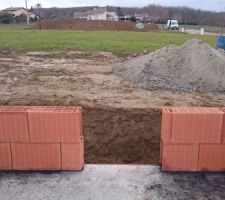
[[117, 42], [20, 26]]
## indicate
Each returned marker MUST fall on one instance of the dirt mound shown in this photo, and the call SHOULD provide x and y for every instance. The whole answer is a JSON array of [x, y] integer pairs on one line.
[[96, 25], [193, 66], [150, 27]]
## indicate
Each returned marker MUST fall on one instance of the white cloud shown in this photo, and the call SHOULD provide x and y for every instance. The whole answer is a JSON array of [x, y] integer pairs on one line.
[[216, 5]]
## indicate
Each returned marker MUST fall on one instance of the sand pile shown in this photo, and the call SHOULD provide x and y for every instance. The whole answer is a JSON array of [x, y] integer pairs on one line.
[[193, 66]]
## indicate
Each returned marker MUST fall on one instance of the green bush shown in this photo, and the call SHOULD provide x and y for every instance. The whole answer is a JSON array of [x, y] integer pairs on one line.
[[6, 18]]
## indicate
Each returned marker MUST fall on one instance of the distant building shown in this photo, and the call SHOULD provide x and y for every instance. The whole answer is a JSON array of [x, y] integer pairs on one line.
[[142, 16], [33, 15], [80, 15], [112, 16], [125, 18], [97, 14], [16, 11], [20, 12]]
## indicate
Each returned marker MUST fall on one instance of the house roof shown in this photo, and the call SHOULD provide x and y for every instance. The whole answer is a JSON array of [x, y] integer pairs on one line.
[[14, 9], [97, 11]]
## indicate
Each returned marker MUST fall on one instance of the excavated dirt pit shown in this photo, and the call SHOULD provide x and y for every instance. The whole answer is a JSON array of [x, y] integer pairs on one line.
[[121, 122]]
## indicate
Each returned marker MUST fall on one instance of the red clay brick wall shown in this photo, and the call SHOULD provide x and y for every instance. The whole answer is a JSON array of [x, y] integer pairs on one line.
[[41, 138], [192, 139]]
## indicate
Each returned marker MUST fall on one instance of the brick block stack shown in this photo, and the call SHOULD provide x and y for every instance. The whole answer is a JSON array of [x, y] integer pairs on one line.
[[193, 139], [41, 138]]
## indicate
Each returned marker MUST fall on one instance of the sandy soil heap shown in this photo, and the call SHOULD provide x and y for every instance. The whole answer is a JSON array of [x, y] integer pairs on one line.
[[193, 66]]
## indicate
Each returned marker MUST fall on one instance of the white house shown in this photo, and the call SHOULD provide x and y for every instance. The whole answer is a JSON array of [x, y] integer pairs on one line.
[[112, 16], [20, 11], [125, 18], [16, 11], [97, 14]]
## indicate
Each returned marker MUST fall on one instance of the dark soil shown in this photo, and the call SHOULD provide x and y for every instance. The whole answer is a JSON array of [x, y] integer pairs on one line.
[[122, 135]]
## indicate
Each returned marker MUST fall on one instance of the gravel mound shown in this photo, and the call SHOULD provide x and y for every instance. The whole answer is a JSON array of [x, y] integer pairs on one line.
[[193, 66]]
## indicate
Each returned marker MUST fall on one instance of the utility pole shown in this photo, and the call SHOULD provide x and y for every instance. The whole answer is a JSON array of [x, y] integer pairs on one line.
[[28, 18], [38, 6]]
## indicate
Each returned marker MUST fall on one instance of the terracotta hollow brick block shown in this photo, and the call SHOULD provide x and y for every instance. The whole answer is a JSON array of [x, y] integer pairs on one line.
[[72, 156], [5, 157], [36, 156], [55, 124], [180, 157], [13, 124], [223, 131], [166, 125], [196, 125], [211, 157], [161, 152]]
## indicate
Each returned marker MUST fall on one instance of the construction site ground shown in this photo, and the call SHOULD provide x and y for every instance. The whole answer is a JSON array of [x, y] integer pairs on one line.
[[124, 182], [121, 122]]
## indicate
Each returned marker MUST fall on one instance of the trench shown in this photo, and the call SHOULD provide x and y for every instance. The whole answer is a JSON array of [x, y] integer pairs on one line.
[[121, 136]]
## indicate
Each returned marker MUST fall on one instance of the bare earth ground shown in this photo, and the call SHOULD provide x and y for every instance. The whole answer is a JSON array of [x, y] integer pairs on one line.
[[110, 182], [121, 122]]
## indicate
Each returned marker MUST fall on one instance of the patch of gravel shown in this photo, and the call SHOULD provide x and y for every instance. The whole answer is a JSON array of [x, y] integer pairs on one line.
[[193, 66]]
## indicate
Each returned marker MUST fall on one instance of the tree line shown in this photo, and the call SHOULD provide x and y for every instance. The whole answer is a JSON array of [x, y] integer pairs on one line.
[[185, 15], [157, 14]]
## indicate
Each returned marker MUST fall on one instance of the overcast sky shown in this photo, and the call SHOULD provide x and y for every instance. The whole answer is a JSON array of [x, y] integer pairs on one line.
[[215, 5]]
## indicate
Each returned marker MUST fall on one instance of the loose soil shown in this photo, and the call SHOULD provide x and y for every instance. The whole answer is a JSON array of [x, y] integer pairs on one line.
[[95, 25], [121, 122]]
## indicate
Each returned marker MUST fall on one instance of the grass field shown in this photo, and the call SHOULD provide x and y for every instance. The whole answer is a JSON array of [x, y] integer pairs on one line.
[[20, 26], [117, 42]]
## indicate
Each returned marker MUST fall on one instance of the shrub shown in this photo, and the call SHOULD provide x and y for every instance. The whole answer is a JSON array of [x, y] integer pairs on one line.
[[6, 18]]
